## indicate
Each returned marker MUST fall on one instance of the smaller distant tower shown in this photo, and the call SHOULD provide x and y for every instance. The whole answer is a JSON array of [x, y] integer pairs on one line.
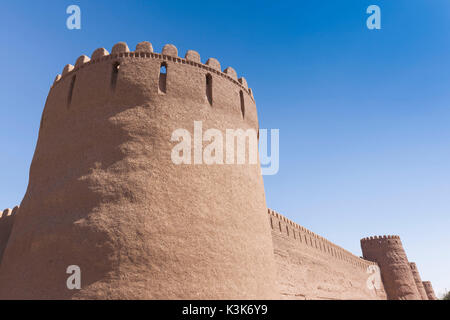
[[429, 290], [418, 281], [396, 272]]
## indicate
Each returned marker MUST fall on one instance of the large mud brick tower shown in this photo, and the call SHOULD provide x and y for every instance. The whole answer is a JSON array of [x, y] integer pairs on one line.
[[104, 194], [396, 273], [418, 280], [429, 290]]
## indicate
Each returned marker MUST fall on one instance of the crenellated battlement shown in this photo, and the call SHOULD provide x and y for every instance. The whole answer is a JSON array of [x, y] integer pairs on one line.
[[306, 237], [126, 79], [377, 241], [144, 50], [9, 213], [6, 222], [380, 238], [5, 213]]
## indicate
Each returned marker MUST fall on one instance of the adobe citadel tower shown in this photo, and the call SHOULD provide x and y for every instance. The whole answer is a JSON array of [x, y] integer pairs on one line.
[[418, 280], [104, 194], [429, 290], [398, 277]]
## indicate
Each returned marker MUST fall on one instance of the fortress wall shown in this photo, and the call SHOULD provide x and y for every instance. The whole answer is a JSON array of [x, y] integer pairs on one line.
[[6, 224], [105, 195], [311, 267], [429, 290], [418, 280]]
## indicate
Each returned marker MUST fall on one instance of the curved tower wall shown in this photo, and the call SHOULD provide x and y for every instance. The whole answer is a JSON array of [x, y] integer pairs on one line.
[[396, 272], [429, 290], [418, 281], [104, 194]]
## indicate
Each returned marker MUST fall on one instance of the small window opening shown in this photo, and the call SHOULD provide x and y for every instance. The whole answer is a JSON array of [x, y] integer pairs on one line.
[[72, 85], [114, 74], [163, 78], [209, 89], [241, 96]]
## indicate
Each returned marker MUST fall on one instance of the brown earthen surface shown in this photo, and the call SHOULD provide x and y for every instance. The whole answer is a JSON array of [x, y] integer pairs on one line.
[[6, 224], [418, 281], [105, 195], [429, 290], [396, 272], [311, 267]]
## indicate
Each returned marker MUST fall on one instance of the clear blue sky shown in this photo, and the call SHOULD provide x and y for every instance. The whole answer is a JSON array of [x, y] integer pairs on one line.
[[364, 116]]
